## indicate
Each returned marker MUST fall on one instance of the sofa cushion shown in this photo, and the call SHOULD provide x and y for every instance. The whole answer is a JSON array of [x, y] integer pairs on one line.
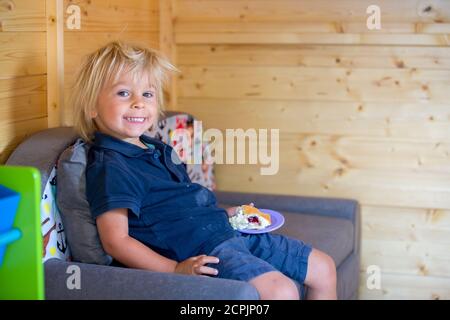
[[334, 236], [80, 227]]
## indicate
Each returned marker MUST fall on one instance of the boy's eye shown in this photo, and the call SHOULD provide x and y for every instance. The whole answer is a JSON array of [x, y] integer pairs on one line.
[[148, 94], [123, 93]]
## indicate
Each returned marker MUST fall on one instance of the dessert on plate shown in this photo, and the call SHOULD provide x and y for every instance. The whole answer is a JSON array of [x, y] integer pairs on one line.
[[249, 217]]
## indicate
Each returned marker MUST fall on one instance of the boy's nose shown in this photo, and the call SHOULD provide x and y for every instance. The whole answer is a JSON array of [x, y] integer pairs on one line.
[[138, 104]]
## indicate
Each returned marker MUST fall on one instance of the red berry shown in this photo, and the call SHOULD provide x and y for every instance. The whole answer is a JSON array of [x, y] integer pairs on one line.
[[253, 219]]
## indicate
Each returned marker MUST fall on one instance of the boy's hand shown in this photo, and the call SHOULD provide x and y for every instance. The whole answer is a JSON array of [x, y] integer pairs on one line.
[[232, 211], [196, 265]]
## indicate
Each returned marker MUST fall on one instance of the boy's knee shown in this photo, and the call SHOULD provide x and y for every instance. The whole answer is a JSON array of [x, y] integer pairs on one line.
[[328, 269], [275, 286], [285, 291], [321, 270]]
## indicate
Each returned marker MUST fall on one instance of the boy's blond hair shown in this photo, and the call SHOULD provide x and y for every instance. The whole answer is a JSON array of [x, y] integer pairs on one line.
[[106, 65]]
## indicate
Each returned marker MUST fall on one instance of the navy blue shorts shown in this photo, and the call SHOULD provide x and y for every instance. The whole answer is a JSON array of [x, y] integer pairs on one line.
[[247, 256]]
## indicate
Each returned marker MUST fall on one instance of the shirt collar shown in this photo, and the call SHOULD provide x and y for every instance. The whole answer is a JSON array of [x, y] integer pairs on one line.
[[128, 149]]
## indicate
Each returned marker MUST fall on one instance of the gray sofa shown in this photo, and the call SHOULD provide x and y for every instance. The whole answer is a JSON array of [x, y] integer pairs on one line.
[[331, 225]]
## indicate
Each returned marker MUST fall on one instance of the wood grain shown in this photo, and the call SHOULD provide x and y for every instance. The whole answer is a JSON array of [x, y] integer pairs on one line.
[[383, 57], [406, 287], [22, 54], [315, 84], [414, 120], [311, 10], [22, 15]]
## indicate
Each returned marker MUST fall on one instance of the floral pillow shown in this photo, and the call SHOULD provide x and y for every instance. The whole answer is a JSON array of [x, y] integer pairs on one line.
[[201, 173]]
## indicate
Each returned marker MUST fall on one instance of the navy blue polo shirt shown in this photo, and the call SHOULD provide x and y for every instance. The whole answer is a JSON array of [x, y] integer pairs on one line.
[[166, 211]]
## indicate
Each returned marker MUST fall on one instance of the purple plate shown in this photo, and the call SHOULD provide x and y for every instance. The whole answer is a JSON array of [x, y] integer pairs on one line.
[[276, 218]]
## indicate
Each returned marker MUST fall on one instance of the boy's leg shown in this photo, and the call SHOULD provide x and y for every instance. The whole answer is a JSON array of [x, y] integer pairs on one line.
[[287, 255], [275, 286], [236, 262], [321, 276], [297, 260]]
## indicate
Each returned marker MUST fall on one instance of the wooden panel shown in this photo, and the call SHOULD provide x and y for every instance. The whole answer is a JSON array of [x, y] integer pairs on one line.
[[117, 15], [316, 27], [316, 56], [418, 258], [168, 46], [55, 62], [22, 53], [74, 52], [406, 224], [394, 286], [311, 10], [22, 108], [310, 38], [23, 69], [22, 86], [402, 120], [22, 15], [347, 153], [419, 236], [331, 84], [370, 187]]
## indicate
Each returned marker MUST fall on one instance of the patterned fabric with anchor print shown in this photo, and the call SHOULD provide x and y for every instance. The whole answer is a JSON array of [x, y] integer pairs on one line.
[[54, 238]]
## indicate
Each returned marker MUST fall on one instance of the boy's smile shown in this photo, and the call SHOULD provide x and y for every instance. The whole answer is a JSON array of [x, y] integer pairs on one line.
[[135, 119], [127, 108]]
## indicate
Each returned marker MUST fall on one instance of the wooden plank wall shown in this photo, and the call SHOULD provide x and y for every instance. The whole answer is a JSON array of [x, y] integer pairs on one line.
[[362, 114], [103, 21], [23, 74]]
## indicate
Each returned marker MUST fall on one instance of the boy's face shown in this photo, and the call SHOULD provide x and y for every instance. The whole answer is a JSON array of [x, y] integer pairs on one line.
[[127, 108]]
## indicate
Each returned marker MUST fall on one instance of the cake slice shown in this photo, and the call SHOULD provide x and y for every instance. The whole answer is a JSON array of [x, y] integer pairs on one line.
[[256, 218]]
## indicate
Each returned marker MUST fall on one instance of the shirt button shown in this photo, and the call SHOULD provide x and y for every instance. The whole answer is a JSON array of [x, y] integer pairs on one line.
[[155, 155], [188, 185]]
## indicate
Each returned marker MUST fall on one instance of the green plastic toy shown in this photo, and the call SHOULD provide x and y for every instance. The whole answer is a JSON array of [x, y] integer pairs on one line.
[[21, 271]]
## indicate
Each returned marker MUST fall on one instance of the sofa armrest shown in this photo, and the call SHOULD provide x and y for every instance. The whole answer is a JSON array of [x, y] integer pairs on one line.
[[106, 282], [41, 150], [330, 207]]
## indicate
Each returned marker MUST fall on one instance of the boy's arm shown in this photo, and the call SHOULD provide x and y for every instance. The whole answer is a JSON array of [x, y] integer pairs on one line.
[[113, 231], [231, 211]]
